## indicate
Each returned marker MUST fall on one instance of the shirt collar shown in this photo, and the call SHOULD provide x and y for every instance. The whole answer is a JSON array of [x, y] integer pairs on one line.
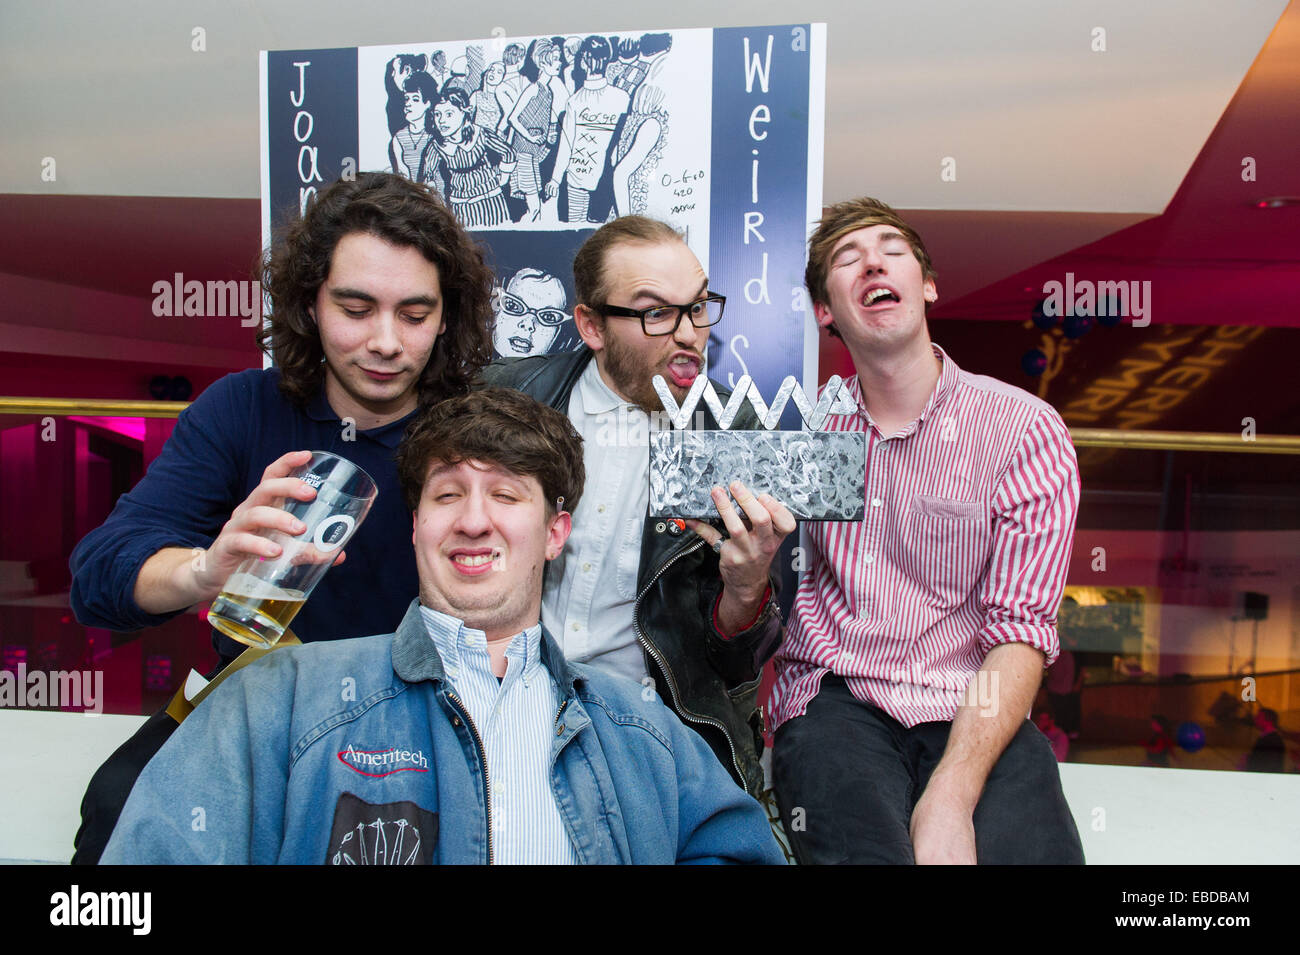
[[416, 659], [596, 396], [389, 435], [948, 375], [318, 406], [460, 646]]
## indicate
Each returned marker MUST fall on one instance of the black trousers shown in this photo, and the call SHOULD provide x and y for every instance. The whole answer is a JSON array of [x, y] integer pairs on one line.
[[847, 776]]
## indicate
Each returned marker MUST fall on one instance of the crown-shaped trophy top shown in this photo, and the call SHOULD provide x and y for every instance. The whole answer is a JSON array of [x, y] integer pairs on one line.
[[835, 399]]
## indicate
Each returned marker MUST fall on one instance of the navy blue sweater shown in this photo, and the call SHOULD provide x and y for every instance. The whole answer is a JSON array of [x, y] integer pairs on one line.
[[215, 457]]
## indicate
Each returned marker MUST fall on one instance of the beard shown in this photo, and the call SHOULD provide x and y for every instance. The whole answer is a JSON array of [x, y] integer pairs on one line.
[[632, 377]]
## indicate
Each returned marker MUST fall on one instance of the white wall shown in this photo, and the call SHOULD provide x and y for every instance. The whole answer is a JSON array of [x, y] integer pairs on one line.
[[1125, 815], [45, 763], [1132, 815]]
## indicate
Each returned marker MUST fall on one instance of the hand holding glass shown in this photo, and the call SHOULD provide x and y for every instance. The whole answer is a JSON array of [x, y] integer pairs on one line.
[[264, 593]]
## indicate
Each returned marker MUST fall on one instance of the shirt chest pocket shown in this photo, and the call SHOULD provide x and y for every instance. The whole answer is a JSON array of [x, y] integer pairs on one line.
[[949, 544], [628, 544]]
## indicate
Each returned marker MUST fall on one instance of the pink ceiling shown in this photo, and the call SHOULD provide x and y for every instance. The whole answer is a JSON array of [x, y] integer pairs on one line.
[[124, 244], [77, 276], [1214, 256]]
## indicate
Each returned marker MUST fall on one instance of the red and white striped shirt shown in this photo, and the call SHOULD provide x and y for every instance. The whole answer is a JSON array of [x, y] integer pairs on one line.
[[964, 545]]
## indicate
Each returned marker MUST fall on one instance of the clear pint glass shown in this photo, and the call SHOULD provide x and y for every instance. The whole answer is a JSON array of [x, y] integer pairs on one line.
[[264, 593]]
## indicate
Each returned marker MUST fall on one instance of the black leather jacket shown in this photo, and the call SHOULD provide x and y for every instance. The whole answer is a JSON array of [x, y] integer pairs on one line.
[[712, 682]]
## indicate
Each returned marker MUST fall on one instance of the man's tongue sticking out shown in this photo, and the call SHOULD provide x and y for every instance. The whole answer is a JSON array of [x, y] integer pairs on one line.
[[683, 369]]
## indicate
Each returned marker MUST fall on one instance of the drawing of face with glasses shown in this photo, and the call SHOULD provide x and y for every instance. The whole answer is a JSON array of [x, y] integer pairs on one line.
[[530, 315]]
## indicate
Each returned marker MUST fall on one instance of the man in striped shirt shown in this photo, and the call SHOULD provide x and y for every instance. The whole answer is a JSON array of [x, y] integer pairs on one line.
[[919, 634]]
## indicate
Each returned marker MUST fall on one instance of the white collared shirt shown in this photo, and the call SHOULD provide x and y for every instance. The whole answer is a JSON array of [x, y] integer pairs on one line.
[[590, 589], [514, 719]]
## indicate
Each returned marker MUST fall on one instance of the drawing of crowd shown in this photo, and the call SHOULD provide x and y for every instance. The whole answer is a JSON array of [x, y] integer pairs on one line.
[[564, 130]]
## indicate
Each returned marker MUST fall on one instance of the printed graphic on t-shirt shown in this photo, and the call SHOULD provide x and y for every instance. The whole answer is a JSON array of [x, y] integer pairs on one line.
[[377, 761], [394, 833]]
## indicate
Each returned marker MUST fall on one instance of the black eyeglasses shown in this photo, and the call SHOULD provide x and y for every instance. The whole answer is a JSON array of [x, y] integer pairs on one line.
[[516, 306], [664, 319]]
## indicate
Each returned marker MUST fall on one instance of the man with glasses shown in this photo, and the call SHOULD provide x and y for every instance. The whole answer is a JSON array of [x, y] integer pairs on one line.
[[680, 606], [531, 318]]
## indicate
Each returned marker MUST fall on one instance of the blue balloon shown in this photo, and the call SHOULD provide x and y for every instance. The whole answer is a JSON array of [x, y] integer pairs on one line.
[[1042, 320], [1190, 736], [1076, 326], [1033, 362]]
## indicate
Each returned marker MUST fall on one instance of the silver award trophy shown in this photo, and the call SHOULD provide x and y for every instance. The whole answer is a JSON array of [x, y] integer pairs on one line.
[[818, 475]]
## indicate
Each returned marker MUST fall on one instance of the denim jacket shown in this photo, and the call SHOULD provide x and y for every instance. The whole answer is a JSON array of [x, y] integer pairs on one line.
[[712, 680], [358, 751]]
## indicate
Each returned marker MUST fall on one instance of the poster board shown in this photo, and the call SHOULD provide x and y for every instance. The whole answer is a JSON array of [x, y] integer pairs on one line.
[[717, 131]]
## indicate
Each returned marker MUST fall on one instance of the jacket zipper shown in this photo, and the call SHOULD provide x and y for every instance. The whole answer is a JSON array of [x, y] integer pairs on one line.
[[564, 705], [663, 667], [482, 755]]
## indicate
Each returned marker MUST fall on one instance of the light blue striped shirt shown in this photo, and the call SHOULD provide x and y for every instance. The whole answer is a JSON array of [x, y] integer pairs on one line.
[[513, 719]]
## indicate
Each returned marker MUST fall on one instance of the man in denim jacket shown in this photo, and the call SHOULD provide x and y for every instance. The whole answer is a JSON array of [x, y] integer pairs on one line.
[[465, 737]]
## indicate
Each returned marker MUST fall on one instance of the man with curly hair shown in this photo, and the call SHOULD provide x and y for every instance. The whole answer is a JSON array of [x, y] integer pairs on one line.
[[380, 304]]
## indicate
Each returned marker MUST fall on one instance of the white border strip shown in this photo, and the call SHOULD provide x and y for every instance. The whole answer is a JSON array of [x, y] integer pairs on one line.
[[816, 173], [264, 160]]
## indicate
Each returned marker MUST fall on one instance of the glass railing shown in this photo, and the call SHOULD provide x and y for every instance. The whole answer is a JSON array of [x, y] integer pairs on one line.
[[1180, 625], [1181, 622], [63, 464]]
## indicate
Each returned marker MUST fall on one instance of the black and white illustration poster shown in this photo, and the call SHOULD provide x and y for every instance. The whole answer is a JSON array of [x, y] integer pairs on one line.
[[535, 141], [537, 133]]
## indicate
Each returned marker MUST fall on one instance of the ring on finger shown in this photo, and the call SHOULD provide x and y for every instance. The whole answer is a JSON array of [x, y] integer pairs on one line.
[[717, 545]]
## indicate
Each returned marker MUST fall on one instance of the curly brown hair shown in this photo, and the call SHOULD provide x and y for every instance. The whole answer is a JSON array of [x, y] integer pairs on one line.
[[498, 426], [403, 213]]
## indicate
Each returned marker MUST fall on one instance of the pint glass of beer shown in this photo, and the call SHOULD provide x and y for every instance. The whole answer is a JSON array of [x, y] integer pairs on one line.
[[264, 593]]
